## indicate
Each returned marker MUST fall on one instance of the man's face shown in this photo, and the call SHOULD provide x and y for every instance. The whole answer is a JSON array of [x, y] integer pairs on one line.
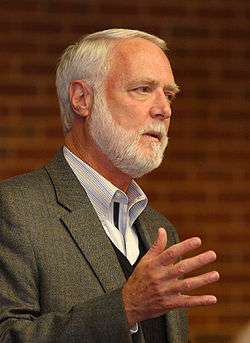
[[130, 120]]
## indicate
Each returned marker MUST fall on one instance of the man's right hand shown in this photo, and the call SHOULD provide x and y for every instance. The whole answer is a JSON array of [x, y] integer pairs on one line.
[[157, 284]]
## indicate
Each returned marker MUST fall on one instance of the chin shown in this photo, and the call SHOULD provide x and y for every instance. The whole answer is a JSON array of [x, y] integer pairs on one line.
[[150, 149], [153, 152], [145, 164]]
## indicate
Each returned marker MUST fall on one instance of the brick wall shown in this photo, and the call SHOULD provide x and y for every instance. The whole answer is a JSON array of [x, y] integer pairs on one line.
[[204, 184]]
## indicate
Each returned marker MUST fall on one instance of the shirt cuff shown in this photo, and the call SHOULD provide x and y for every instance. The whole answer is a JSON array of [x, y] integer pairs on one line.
[[134, 329]]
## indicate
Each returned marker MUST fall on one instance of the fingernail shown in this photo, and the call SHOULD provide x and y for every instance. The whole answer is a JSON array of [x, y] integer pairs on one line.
[[196, 242], [216, 276]]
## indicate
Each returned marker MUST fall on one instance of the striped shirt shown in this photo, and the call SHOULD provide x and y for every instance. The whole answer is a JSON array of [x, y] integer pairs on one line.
[[103, 194]]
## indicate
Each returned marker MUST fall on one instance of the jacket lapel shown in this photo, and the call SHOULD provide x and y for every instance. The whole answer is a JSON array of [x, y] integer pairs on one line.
[[80, 219]]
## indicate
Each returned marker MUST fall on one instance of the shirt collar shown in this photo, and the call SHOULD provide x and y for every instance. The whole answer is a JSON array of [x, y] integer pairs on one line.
[[102, 193]]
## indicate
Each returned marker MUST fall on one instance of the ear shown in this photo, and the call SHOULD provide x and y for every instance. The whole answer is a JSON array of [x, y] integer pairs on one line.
[[81, 97]]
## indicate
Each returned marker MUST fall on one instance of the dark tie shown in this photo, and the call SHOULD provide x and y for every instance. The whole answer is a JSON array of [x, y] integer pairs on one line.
[[116, 214]]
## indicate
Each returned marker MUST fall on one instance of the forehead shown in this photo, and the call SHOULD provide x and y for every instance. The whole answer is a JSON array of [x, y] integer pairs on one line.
[[139, 58]]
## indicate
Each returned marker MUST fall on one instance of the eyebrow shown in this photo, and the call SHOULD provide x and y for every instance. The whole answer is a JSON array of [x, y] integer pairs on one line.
[[173, 87]]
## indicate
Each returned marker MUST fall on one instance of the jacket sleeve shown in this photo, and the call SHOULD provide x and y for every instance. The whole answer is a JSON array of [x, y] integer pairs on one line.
[[98, 320]]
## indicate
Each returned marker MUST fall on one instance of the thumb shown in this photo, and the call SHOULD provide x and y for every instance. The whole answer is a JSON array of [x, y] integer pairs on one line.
[[158, 246]]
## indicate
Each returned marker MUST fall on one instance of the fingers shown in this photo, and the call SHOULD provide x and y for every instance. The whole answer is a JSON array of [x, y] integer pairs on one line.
[[190, 301], [174, 252], [158, 246], [199, 300], [189, 284], [190, 264]]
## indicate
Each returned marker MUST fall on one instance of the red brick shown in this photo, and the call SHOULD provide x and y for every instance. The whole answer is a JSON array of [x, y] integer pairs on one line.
[[203, 184]]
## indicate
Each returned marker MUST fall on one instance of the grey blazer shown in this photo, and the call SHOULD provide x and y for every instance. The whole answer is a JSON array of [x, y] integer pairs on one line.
[[60, 280]]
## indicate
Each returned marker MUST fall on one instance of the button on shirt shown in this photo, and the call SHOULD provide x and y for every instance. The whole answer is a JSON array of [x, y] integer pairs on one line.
[[103, 194]]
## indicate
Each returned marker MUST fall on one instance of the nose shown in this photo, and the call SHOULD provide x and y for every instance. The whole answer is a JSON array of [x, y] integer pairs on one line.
[[161, 107]]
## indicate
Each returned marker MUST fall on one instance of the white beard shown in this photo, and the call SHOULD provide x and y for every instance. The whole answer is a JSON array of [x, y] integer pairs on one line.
[[123, 147]]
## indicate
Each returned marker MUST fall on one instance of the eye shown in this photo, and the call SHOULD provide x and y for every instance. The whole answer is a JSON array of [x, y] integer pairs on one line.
[[170, 96], [143, 89]]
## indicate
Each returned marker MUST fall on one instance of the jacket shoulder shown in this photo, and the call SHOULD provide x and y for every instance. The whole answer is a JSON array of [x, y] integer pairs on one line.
[[30, 183], [20, 194]]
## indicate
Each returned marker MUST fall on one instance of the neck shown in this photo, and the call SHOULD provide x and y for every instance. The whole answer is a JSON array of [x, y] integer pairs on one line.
[[81, 144]]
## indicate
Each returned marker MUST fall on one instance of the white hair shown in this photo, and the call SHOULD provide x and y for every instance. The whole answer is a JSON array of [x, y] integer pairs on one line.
[[87, 60]]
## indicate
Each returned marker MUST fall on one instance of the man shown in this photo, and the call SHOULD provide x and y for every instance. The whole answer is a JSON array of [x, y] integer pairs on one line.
[[83, 257]]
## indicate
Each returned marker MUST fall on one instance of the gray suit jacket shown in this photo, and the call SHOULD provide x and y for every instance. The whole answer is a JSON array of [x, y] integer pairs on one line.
[[60, 280]]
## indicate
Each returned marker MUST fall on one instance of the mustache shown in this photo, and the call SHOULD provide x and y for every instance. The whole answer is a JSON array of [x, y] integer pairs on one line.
[[158, 128]]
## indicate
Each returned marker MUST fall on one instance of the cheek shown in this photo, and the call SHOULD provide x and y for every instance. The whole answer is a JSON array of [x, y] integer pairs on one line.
[[130, 115], [125, 111], [134, 118]]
